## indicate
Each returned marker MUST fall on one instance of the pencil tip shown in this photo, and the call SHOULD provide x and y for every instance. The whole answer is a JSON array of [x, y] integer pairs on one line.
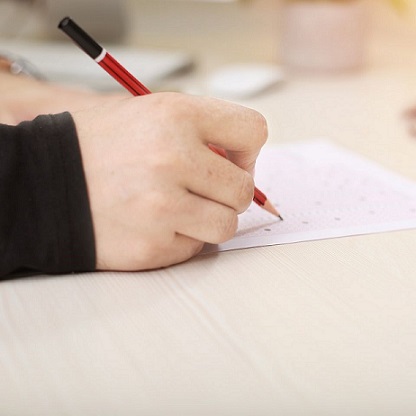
[[270, 208]]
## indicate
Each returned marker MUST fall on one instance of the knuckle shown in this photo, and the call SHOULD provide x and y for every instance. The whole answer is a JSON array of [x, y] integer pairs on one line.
[[227, 227], [245, 192], [260, 124], [171, 108], [193, 248], [180, 106]]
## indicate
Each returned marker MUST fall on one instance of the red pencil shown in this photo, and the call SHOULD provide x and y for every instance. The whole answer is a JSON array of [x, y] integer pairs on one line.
[[132, 84]]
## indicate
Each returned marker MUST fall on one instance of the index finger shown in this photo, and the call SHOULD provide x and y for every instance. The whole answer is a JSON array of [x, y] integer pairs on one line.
[[240, 130]]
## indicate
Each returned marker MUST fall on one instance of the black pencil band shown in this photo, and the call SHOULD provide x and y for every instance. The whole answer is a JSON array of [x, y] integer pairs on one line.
[[81, 38]]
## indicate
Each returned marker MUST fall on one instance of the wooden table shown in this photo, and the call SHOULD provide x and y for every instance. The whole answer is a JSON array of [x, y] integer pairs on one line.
[[315, 328]]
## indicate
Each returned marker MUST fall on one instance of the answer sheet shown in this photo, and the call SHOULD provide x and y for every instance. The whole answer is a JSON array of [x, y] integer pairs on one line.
[[322, 191]]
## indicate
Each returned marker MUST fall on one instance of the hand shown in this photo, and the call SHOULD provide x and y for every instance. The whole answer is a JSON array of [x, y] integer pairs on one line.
[[23, 98], [157, 192]]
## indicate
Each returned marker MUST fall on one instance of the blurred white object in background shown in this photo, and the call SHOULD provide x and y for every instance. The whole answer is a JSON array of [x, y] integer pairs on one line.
[[64, 62], [239, 81]]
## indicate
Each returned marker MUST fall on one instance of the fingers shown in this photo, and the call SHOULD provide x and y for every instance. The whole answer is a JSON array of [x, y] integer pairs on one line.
[[167, 252], [197, 221], [205, 220], [219, 180], [139, 254], [184, 248], [240, 130], [185, 213]]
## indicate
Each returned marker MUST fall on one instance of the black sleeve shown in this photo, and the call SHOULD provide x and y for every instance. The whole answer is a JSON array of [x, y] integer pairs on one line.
[[45, 218]]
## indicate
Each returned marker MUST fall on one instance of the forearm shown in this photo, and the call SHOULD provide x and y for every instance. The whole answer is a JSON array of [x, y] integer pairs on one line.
[[23, 98]]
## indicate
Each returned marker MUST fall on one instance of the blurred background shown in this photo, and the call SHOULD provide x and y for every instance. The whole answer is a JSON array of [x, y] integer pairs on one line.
[[245, 27], [211, 33]]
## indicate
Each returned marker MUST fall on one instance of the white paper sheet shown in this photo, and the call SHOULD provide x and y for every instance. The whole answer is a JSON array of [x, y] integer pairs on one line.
[[322, 191]]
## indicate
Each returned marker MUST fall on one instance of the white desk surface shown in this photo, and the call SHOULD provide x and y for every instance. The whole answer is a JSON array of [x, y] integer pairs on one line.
[[316, 328]]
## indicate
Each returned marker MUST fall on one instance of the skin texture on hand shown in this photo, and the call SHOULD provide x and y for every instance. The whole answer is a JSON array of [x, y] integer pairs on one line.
[[157, 192]]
